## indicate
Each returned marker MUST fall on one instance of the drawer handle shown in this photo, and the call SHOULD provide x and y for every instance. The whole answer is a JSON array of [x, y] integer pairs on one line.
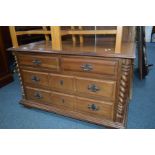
[[36, 62], [93, 107], [61, 82], [63, 101], [87, 67], [38, 95], [35, 78], [93, 88]]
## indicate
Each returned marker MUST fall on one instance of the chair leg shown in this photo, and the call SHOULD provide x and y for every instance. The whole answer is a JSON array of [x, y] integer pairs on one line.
[[46, 35], [73, 37], [118, 43], [56, 38], [13, 36], [81, 37]]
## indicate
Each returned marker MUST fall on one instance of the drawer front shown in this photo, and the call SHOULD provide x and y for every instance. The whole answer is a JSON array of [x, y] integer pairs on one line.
[[47, 62], [96, 87], [94, 108], [96, 66], [61, 82], [35, 78], [38, 95], [62, 100]]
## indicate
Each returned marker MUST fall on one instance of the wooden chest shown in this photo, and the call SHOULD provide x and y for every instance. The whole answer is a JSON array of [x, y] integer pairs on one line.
[[82, 82], [90, 88]]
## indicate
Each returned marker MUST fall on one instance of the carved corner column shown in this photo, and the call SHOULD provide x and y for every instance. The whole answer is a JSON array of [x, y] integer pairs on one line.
[[123, 90], [19, 75]]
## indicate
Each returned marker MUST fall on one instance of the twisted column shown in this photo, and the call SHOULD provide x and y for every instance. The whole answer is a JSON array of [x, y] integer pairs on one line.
[[123, 89]]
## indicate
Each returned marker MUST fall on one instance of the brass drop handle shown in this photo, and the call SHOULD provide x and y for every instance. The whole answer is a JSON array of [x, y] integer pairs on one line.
[[87, 67], [93, 107], [93, 88], [38, 95], [35, 78], [36, 62]]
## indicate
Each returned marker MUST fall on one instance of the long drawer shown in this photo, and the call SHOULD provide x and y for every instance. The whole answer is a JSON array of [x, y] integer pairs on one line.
[[88, 107], [94, 108], [84, 86], [89, 65], [70, 84], [94, 87], [35, 79], [47, 62]]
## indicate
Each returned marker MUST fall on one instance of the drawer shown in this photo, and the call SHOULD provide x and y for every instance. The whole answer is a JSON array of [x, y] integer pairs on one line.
[[89, 65], [62, 100], [97, 109], [61, 82], [35, 78], [96, 87], [38, 95], [47, 62]]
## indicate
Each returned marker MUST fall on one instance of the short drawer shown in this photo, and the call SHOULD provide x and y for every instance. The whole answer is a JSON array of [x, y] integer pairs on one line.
[[89, 65], [35, 78], [96, 87], [94, 108], [47, 62], [38, 95], [61, 82], [61, 100]]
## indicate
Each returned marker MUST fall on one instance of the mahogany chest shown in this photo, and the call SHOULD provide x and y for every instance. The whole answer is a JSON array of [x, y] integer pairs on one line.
[[90, 86]]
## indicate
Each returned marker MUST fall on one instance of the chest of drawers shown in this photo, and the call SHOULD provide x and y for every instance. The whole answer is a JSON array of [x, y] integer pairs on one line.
[[86, 87]]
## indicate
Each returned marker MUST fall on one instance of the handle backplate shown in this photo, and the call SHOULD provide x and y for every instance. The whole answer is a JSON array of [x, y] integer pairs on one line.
[[38, 95], [93, 107], [36, 62], [93, 88], [35, 78], [87, 67]]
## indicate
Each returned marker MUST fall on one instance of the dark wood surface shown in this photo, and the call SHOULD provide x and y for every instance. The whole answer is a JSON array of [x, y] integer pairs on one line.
[[98, 92], [5, 74], [103, 50]]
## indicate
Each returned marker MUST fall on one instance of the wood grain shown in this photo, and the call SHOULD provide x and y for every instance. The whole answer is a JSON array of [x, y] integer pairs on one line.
[[35, 79], [61, 82], [123, 90], [105, 88], [56, 38], [31, 94], [98, 66], [62, 100], [73, 114], [39, 61], [13, 36], [91, 86], [118, 43], [104, 109]]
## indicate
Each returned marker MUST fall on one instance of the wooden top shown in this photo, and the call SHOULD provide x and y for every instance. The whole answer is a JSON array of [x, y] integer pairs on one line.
[[107, 49]]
